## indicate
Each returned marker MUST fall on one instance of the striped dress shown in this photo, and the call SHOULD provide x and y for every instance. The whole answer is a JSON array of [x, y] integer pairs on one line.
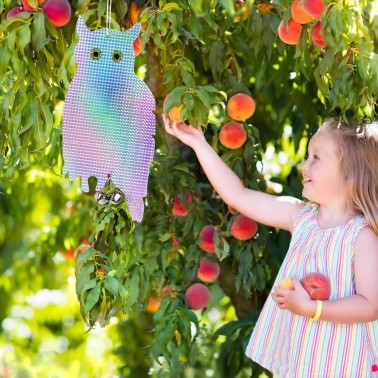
[[293, 346]]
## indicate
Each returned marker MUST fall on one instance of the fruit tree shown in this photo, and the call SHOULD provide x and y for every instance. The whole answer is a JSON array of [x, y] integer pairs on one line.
[[177, 294]]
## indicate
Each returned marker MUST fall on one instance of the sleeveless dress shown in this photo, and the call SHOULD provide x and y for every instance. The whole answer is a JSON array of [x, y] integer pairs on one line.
[[294, 346]]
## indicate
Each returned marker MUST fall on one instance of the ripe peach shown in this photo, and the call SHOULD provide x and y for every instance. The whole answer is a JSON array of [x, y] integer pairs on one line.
[[286, 283], [289, 33], [135, 11], [14, 11], [317, 285], [299, 14], [180, 210], [241, 106], [30, 5], [232, 135], [70, 254], [207, 238], [243, 228], [198, 296], [313, 7], [58, 12], [100, 273], [174, 113], [208, 271], [153, 304], [137, 46], [316, 35]]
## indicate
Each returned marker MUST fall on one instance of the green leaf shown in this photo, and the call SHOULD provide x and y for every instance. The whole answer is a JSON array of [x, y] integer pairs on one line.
[[93, 297], [38, 35]]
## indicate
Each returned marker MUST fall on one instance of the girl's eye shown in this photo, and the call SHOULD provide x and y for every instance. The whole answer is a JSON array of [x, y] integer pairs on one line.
[[316, 157]]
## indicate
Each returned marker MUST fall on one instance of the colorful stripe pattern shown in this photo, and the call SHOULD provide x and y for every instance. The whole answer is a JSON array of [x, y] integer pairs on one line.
[[293, 346]]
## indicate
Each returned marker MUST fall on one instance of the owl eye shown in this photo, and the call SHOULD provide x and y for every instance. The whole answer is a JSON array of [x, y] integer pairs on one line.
[[117, 55], [96, 54]]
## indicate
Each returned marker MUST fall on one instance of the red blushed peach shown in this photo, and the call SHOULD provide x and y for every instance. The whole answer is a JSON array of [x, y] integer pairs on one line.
[[180, 210], [58, 12], [198, 296], [299, 14], [30, 5], [207, 238], [208, 271], [317, 285], [314, 8], [289, 33], [15, 11], [243, 228], [153, 304], [232, 135], [241, 106], [316, 36], [137, 46]]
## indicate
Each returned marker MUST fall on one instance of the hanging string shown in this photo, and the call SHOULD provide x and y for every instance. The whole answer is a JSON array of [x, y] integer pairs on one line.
[[108, 16]]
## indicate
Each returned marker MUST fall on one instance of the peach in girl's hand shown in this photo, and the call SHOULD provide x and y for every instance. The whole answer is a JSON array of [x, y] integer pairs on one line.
[[286, 283], [317, 285]]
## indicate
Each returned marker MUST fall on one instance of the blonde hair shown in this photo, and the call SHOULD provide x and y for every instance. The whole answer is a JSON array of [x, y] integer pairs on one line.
[[358, 147]]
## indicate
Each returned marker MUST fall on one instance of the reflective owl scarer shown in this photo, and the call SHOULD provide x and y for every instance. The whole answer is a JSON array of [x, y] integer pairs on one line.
[[108, 120]]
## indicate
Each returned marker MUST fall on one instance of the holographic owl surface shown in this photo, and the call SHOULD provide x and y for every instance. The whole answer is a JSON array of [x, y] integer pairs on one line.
[[108, 120]]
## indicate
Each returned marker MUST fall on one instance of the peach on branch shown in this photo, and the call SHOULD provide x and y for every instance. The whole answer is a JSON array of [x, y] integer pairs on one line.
[[137, 46], [208, 271], [15, 11], [198, 296], [243, 228], [30, 5], [241, 106], [299, 14], [290, 32], [135, 11], [153, 304], [314, 8], [207, 238], [58, 12], [232, 135], [316, 36], [317, 285], [174, 113], [179, 209]]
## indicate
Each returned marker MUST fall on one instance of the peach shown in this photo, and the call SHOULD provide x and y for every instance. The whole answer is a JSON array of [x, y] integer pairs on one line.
[[317, 285], [135, 11], [30, 5], [15, 11], [241, 106], [243, 228], [316, 36], [198, 296], [232, 135], [137, 46], [153, 304], [100, 273], [70, 254], [289, 33], [174, 113], [179, 209], [286, 283], [58, 12], [299, 14], [314, 8], [207, 238], [208, 271]]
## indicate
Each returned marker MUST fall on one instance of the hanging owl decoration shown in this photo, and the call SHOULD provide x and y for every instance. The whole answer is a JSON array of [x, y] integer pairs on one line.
[[108, 120]]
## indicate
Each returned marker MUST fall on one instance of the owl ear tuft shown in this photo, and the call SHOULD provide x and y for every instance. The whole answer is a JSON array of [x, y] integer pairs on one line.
[[134, 31], [81, 27]]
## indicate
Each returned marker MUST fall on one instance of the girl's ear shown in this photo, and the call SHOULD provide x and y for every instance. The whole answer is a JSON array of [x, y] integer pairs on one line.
[[81, 27], [134, 31]]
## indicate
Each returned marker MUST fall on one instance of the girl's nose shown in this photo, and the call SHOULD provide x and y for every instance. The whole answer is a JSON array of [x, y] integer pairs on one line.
[[304, 167]]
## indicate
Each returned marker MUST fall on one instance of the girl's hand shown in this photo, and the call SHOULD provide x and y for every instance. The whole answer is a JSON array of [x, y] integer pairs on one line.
[[186, 133], [297, 301]]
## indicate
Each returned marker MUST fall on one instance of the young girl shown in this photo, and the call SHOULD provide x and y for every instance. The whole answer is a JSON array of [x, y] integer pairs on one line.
[[335, 233]]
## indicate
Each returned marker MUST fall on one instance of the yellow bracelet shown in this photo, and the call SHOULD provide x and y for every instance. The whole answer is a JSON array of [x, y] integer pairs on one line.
[[319, 306]]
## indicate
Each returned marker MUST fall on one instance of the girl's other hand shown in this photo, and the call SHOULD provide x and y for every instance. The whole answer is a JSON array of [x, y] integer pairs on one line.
[[297, 300], [186, 133]]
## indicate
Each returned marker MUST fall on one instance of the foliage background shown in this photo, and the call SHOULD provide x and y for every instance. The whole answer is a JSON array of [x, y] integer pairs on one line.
[[201, 52]]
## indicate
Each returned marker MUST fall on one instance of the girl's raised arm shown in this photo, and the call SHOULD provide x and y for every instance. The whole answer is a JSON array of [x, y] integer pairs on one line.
[[264, 208]]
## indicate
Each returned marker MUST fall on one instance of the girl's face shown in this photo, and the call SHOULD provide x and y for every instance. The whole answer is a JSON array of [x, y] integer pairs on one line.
[[322, 178]]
